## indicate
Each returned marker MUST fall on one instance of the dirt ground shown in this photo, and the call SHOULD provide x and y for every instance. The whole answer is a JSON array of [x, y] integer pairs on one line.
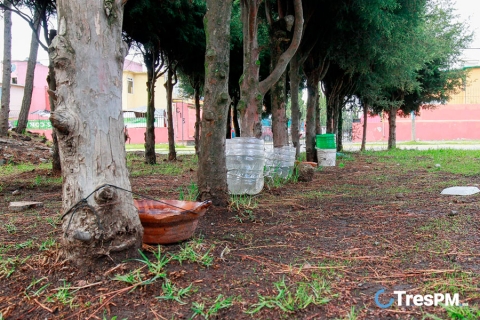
[[316, 250]]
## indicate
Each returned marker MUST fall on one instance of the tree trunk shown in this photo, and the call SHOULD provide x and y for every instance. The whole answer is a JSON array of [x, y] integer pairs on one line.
[[392, 128], [278, 90], [88, 55], [340, 130], [252, 90], [52, 87], [236, 124], [330, 113], [7, 69], [172, 154], [312, 89], [212, 169], [318, 123], [149, 59], [364, 134], [28, 90], [294, 88], [228, 133], [197, 116]]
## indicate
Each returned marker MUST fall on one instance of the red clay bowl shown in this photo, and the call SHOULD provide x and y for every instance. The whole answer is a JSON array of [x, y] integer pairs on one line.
[[170, 221]]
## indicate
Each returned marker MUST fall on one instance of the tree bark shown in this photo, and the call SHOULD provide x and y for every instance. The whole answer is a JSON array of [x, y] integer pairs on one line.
[[252, 91], [172, 154], [29, 78], [294, 88], [52, 87], [212, 168], [364, 134], [88, 55], [197, 116], [392, 128], [278, 91], [310, 132], [7, 69], [149, 58], [340, 130]]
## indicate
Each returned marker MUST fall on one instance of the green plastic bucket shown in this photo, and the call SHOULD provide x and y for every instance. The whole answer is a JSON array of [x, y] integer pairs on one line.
[[326, 141]]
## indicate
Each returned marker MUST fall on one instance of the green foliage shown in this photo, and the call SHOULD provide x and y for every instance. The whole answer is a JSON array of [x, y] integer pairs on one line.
[[155, 267], [199, 308], [195, 251], [291, 299], [171, 292]]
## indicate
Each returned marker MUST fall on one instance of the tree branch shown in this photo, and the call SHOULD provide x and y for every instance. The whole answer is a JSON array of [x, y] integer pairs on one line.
[[284, 59]]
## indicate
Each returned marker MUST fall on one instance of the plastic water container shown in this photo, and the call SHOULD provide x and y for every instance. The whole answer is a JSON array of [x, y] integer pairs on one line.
[[327, 157], [326, 141], [279, 162], [245, 159]]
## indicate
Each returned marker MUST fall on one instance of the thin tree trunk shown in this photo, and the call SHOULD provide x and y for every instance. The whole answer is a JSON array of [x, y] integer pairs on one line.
[[364, 134], [278, 90], [88, 55], [340, 130], [172, 154], [29, 78], [236, 124], [312, 89], [197, 117], [150, 155], [212, 169], [392, 128], [7, 69], [318, 124], [330, 113], [52, 87], [252, 91], [228, 134], [294, 88]]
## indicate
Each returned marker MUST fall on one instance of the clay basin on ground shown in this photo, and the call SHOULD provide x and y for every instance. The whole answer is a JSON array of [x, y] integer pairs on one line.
[[169, 221]]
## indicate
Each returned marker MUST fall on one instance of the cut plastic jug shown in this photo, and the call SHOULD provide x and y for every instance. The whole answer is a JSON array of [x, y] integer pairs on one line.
[[245, 158]]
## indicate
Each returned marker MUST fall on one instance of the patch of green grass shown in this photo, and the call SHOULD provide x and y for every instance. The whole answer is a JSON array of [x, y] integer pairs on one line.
[[293, 298], [242, 202], [33, 291], [195, 251], [9, 265], [131, 278], [41, 181], [199, 308], [171, 292], [465, 162], [15, 169], [458, 313], [157, 266], [189, 192], [63, 295], [138, 168], [455, 282], [47, 244]]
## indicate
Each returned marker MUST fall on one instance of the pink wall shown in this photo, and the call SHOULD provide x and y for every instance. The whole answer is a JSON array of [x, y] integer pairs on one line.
[[137, 135], [184, 121], [449, 122], [40, 86]]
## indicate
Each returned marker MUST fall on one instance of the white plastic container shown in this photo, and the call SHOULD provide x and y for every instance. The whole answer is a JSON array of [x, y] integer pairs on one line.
[[245, 163], [326, 157], [279, 162]]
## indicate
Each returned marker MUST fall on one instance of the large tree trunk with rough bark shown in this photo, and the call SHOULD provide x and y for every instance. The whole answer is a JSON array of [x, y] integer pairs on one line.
[[32, 62], [88, 55], [7, 69], [169, 84], [52, 87], [364, 133], [252, 90], [212, 169], [149, 59], [310, 132], [392, 128], [294, 88]]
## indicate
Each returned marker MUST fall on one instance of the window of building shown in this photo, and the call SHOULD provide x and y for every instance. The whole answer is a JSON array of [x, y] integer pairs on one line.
[[14, 80], [129, 85]]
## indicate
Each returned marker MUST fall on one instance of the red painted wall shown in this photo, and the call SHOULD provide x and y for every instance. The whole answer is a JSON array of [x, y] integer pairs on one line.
[[449, 122]]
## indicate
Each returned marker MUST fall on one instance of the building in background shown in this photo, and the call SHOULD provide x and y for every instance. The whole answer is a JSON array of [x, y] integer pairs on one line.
[[459, 119]]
